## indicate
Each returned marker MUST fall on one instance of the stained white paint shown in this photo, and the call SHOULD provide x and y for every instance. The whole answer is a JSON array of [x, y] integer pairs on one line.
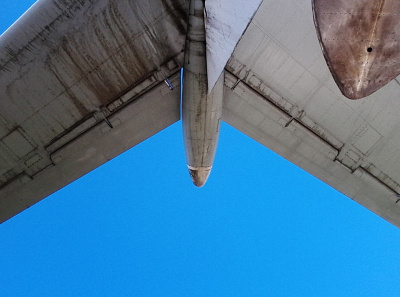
[[288, 101], [226, 22]]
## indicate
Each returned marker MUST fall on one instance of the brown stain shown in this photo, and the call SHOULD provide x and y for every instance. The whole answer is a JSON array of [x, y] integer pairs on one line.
[[179, 12], [133, 47], [58, 75], [42, 37], [77, 59], [347, 30]]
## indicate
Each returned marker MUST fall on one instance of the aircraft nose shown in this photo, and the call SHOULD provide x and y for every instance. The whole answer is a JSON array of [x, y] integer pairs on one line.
[[199, 175]]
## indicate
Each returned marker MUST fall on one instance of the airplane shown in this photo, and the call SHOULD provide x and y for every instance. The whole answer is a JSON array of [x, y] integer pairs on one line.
[[83, 82]]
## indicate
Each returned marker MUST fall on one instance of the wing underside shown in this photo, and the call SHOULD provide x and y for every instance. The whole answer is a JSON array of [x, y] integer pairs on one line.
[[74, 96], [80, 83], [279, 91]]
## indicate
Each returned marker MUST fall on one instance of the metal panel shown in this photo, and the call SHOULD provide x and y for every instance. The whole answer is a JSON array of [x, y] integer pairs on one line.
[[18, 144], [135, 122], [280, 63], [225, 24], [295, 142], [359, 38], [66, 69]]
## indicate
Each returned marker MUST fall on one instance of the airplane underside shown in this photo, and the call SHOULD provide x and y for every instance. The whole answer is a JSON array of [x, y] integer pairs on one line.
[[81, 82], [359, 40], [201, 108]]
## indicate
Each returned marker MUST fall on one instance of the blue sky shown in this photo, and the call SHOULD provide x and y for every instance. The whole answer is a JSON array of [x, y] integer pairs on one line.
[[138, 227]]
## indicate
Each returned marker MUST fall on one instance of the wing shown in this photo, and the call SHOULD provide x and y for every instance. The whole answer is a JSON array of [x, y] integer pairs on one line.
[[80, 83], [278, 90]]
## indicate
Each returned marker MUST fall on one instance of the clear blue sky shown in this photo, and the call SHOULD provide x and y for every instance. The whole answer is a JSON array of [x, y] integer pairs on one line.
[[138, 227]]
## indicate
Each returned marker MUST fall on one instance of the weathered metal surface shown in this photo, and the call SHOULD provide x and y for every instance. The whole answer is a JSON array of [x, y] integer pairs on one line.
[[360, 40], [225, 23], [138, 120], [53, 74], [278, 91], [201, 110], [282, 94], [296, 142], [68, 66]]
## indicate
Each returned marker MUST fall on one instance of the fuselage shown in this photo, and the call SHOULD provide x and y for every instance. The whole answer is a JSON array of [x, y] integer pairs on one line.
[[201, 107]]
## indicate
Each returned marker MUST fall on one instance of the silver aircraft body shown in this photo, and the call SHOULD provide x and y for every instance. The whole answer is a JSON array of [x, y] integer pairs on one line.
[[81, 82]]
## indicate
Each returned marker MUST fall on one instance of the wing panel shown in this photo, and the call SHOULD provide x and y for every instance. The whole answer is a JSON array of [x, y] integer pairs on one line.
[[280, 63], [225, 24], [68, 67], [92, 145], [267, 123]]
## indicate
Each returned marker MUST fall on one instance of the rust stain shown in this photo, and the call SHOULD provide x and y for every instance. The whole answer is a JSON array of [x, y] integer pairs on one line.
[[360, 42]]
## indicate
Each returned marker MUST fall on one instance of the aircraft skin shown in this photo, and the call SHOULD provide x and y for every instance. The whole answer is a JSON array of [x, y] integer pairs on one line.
[[201, 109], [359, 39], [82, 82]]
